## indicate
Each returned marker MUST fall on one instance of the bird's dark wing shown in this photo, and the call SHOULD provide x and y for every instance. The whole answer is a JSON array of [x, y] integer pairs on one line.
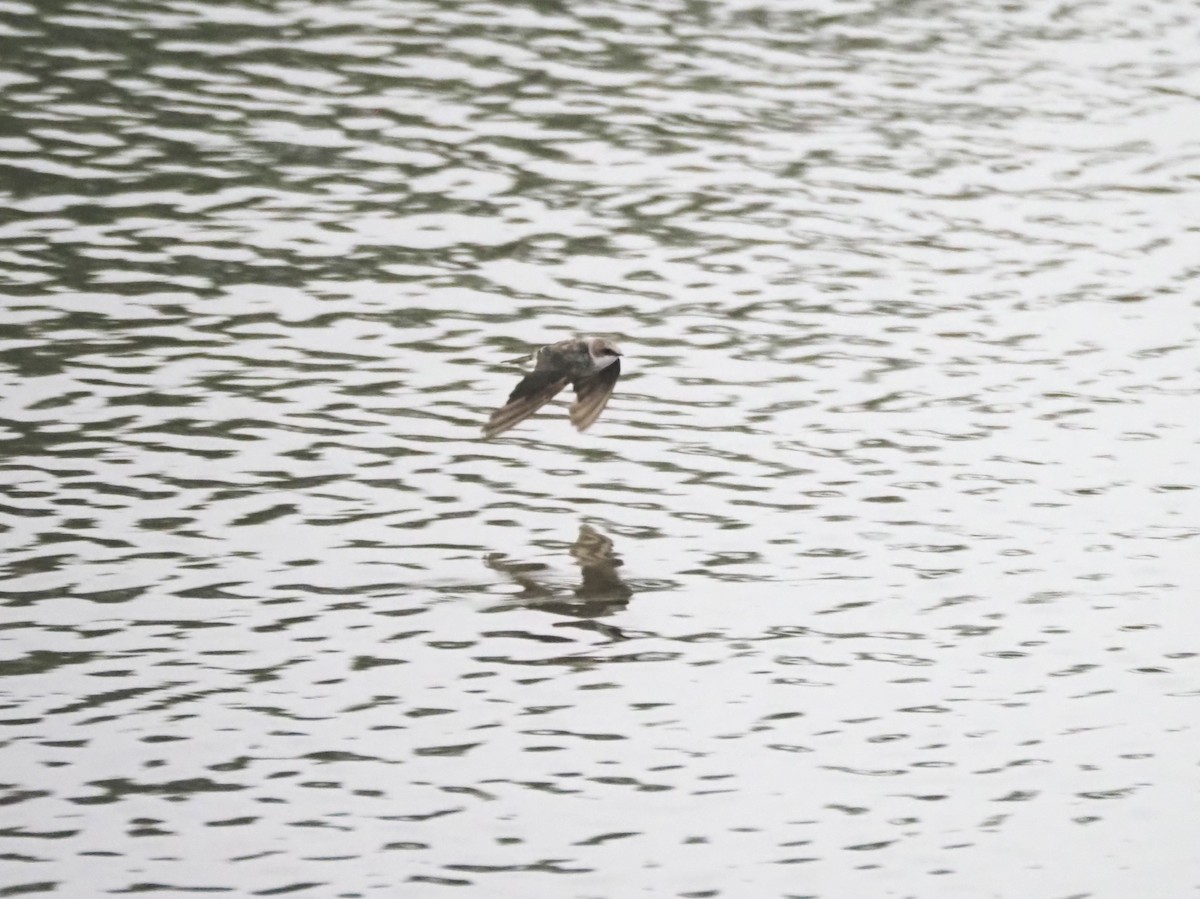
[[535, 390], [592, 393]]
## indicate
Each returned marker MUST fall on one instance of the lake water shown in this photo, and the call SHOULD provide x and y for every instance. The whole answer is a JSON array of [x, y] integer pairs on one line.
[[878, 576]]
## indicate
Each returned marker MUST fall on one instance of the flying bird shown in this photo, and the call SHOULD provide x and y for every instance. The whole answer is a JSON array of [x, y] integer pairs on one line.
[[589, 364]]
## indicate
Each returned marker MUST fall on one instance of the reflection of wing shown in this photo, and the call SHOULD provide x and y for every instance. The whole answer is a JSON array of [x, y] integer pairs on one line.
[[592, 393], [535, 390], [598, 564], [523, 574]]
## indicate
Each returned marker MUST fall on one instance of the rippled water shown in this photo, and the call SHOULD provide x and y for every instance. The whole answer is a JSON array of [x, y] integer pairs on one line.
[[876, 578]]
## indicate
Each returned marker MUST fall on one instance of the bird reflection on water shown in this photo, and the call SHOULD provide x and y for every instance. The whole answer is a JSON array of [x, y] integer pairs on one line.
[[600, 592]]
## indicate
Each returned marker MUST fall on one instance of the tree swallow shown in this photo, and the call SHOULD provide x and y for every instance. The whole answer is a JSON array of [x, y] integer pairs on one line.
[[589, 364]]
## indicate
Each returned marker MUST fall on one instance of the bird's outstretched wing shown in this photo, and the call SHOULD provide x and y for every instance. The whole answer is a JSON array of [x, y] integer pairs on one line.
[[592, 393], [535, 390]]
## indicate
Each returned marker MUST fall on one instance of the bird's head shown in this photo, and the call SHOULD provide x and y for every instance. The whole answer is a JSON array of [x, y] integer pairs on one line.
[[603, 351]]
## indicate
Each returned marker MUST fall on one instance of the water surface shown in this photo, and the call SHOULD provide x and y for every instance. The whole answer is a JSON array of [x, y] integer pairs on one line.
[[877, 577]]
